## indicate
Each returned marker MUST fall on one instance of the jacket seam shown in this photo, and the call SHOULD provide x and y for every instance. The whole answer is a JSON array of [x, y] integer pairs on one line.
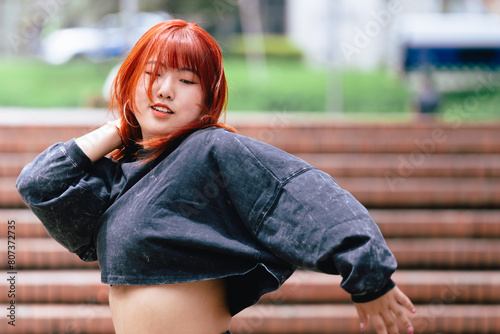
[[274, 199], [65, 152]]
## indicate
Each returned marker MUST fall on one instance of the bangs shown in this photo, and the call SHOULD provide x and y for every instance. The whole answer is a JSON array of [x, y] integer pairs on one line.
[[180, 49], [182, 53]]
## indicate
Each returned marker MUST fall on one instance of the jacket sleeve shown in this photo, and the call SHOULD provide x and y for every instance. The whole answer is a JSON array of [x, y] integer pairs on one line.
[[319, 226], [301, 215], [63, 192]]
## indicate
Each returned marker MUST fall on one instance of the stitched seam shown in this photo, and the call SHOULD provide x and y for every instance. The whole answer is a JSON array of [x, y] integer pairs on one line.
[[65, 152], [297, 173], [276, 196]]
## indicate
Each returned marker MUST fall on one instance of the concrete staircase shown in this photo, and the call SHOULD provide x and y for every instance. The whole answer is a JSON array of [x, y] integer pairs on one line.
[[434, 190]]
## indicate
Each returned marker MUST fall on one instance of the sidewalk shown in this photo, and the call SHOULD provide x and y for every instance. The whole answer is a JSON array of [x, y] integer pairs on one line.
[[14, 116]]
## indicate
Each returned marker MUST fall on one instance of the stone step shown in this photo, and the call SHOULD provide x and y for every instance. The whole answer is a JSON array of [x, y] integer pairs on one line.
[[395, 191], [270, 319], [11, 164], [27, 224], [352, 165], [438, 223], [9, 197], [300, 136], [421, 286], [405, 165], [36, 138], [392, 223], [44, 253], [392, 191], [57, 287], [446, 253], [438, 318]]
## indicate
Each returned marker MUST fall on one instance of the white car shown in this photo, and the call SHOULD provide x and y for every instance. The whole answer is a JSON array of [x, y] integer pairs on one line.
[[110, 38]]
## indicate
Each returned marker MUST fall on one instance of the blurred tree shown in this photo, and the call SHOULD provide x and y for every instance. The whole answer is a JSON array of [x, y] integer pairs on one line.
[[219, 17], [87, 12], [24, 22]]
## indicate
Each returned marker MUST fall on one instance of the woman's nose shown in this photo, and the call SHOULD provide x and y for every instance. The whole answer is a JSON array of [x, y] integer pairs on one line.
[[165, 88]]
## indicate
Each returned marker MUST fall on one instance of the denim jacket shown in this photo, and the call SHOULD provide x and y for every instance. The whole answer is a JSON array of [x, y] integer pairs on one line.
[[218, 205]]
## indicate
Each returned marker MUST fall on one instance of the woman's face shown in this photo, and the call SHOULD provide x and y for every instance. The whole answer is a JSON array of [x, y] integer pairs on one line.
[[177, 100]]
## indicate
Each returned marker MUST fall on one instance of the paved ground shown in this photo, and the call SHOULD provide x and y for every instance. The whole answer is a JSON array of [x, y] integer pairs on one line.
[[83, 116], [25, 116]]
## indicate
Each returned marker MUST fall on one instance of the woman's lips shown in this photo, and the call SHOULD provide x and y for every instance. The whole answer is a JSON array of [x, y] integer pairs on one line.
[[161, 111]]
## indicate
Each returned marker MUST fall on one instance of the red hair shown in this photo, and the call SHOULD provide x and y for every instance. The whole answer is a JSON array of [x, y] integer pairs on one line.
[[174, 44]]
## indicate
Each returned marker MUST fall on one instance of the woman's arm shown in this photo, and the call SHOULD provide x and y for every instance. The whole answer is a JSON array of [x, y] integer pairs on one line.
[[68, 191], [101, 141]]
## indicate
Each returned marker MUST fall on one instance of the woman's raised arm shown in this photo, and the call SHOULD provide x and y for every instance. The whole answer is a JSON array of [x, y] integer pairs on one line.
[[100, 142]]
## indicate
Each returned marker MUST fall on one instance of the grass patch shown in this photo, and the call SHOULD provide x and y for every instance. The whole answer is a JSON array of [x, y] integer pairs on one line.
[[467, 106], [32, 83], [375, 91], [277, 85], [293, 86]]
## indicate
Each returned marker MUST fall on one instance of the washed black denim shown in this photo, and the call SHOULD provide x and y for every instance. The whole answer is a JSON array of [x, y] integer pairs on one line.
[[219, 205]]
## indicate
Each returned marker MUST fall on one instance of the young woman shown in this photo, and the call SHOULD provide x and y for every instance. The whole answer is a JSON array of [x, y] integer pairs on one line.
[[190, 222]]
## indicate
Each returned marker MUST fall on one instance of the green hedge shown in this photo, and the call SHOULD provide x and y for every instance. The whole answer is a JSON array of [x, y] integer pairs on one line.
[[275, 46]]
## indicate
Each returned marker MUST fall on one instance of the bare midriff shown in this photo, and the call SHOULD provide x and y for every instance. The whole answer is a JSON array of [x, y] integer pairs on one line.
[[180, 308]]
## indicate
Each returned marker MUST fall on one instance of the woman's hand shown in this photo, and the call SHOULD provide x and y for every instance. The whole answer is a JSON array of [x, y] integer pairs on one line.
[[101, 141], [116, 123], [387, 313]]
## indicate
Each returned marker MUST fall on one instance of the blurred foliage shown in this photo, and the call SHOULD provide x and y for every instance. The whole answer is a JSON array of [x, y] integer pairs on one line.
[[274, 46]]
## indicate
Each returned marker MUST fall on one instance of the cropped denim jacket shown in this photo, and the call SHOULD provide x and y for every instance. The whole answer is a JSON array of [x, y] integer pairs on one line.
[[218, 205]]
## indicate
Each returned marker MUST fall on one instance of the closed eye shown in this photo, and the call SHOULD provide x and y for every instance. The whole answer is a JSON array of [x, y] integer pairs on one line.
[[149, 73]]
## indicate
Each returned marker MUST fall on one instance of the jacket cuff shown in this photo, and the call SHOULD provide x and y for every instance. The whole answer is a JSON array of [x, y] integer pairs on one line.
[[368, 297], [77, 156]]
